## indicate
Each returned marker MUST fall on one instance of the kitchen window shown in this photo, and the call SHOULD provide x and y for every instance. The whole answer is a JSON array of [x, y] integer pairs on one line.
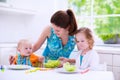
[[102, 16]]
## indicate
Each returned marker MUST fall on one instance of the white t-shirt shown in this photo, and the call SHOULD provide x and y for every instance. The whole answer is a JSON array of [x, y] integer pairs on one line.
[[90, 59]]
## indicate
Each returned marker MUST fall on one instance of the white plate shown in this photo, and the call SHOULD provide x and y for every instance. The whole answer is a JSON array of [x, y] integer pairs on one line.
[[19, 67], [62, 70]]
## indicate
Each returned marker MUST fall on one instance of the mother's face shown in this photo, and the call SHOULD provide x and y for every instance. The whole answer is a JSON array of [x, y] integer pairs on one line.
[[58, 30]]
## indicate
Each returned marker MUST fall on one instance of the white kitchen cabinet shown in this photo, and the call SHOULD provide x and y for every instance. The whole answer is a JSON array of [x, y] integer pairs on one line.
[[8, 8], [4, 55], [104, 59], [0, 55], [109, 68], [16, 11], [5, 51], [116, 71], [116, 60], [110, 55]]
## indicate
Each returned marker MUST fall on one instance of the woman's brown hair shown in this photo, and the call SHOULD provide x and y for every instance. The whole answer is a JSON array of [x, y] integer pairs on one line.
[[88, 33], [65, 19]]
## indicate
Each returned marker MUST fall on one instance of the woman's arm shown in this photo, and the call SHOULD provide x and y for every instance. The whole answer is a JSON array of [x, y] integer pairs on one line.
[[64, 60], [71, 61], [42, 38]]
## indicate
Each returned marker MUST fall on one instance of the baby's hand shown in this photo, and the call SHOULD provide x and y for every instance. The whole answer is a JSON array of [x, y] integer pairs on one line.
[[11, 59], [41, 59]]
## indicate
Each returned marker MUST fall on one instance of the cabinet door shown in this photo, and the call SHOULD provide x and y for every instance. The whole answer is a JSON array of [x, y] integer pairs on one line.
[[4, 55], [0, 56], [116, 71], [107, 58], [109, 68], [116, 60]]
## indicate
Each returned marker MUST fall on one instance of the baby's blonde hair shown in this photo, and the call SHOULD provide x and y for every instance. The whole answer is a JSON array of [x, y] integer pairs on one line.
[[88, 34], [21, 42]]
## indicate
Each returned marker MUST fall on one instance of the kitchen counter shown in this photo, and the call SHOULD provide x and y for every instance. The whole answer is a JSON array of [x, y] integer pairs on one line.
[[110, 49], [55, 75]]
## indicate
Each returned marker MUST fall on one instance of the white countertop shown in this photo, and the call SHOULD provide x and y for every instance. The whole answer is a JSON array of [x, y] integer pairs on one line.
[[115, 49], [53, 75]]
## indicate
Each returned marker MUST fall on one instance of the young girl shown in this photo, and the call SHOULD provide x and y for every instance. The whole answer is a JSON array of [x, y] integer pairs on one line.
[[86, 57], [25, 55]]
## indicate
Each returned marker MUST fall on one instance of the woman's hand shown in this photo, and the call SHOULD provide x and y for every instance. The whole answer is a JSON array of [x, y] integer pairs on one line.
[[11, 59], [64, 60], [41, 59]]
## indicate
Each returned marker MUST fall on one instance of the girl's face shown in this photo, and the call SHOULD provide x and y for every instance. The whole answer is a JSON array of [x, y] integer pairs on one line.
[[25, 49], [81, 41], [59, 31]]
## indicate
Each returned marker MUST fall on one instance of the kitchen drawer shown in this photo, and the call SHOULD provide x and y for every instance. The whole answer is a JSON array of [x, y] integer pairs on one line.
[[109, 68]]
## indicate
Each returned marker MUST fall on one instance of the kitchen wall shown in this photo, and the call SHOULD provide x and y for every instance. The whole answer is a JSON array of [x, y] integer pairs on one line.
[[24, 19], [15, 26]]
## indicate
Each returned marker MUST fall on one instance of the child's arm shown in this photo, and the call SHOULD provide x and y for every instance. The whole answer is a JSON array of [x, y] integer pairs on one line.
[[15, 60], [36, 60]]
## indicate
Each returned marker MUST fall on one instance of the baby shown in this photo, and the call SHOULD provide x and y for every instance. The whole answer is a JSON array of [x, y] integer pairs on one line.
[[25, 55]]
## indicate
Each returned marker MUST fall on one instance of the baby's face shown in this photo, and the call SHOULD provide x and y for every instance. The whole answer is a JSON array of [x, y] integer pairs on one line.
[[26, 49], [81, 41]]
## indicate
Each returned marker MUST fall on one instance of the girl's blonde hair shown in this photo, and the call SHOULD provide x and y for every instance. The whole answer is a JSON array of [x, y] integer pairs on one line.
[[88, 34]]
